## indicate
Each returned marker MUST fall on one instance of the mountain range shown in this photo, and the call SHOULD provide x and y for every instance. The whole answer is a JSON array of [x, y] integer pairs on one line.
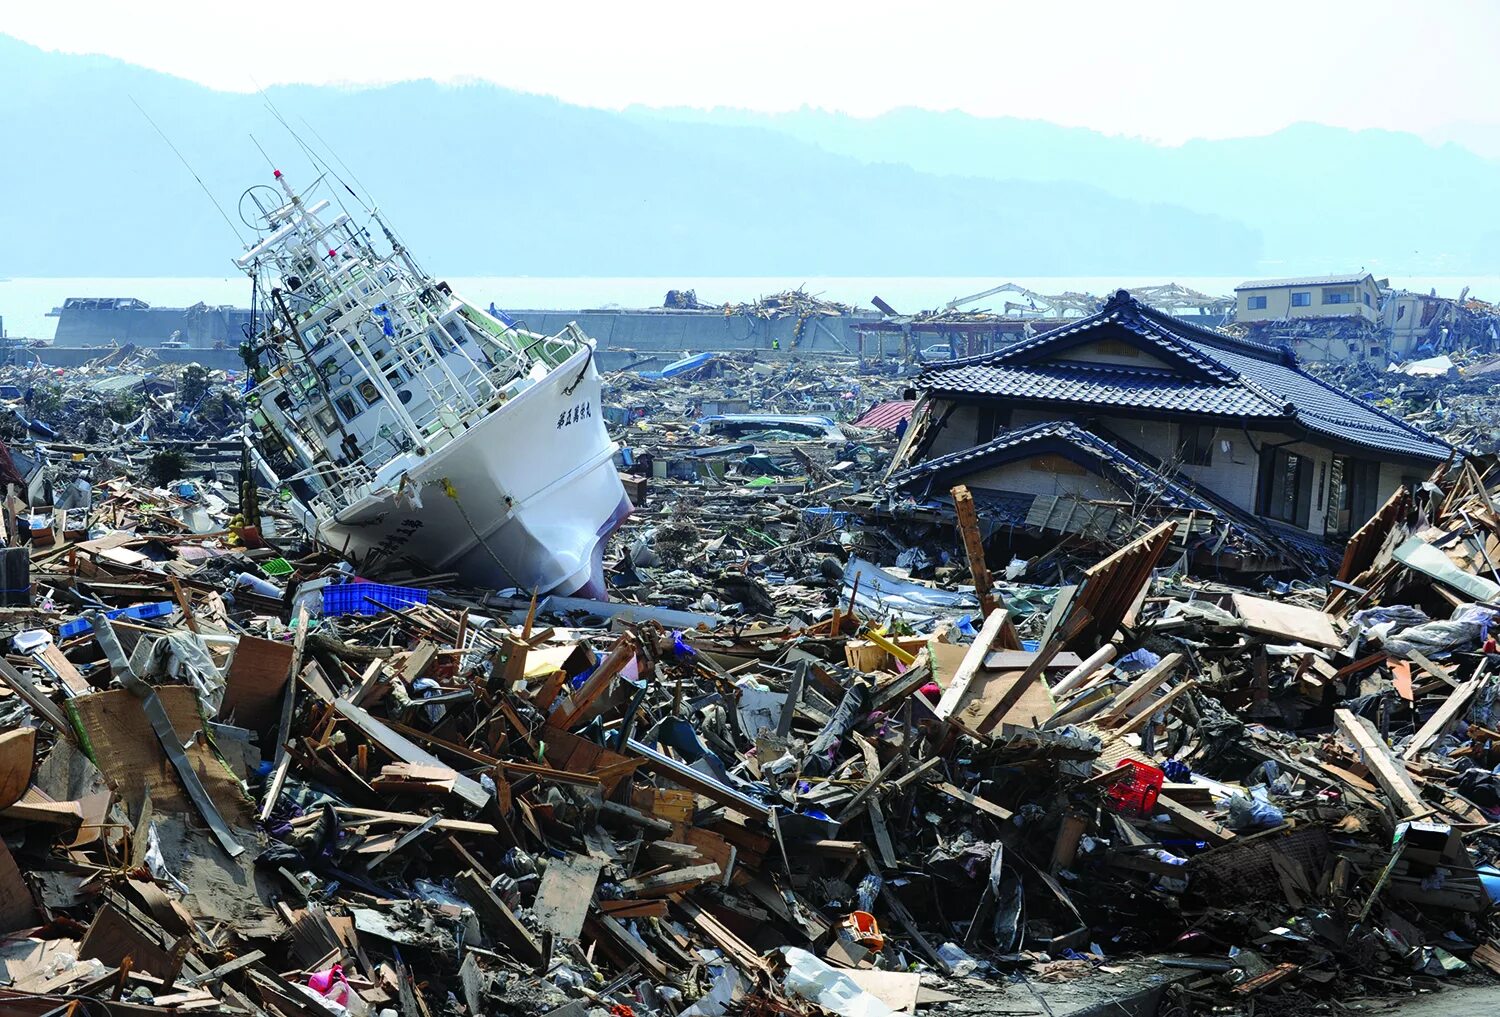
[[482, 180]]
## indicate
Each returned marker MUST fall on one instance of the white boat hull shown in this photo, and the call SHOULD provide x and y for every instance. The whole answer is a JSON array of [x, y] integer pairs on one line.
[[526, 498]]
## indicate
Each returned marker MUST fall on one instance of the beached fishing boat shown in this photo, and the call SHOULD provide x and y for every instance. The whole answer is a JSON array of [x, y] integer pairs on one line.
[[405, 424]]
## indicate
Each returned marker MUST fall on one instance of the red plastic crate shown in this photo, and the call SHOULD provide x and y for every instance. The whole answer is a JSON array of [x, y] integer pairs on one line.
[[1137, 792]]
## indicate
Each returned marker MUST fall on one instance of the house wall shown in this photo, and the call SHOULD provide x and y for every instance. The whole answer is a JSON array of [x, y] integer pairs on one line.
[[1377, 347], [1405, 313], [1046, 475], [1233, 473], [1110, 352], [1279, 302], [961, 431]]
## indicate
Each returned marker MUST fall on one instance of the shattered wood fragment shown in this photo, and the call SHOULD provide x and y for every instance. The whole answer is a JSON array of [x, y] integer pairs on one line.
[[1388, 772], [404, 750], [568, 715], [567, 887], [498, 919]]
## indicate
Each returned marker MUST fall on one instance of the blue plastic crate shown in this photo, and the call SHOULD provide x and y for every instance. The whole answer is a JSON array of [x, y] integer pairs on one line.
[[141, 612], [350, 598]]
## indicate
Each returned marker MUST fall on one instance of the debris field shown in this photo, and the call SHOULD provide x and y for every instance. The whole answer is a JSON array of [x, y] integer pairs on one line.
[[810, 758]]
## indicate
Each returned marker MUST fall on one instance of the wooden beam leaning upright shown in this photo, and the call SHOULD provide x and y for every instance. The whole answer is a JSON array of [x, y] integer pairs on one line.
[[984, 583], [968, 528]]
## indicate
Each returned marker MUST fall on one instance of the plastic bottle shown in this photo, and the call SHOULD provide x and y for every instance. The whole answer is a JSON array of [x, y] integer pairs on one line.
[[960, 963], [259, 585]]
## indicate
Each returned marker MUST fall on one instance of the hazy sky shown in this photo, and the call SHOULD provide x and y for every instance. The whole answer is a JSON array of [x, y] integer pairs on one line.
[[1167, 70]]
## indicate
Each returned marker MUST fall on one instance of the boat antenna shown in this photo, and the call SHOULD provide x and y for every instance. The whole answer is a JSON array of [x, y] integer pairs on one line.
[[190, 169], [317, 160], [338, 159], [263, 153]]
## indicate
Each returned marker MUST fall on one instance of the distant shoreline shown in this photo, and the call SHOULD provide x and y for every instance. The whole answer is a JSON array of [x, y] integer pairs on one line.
[[24, 302]]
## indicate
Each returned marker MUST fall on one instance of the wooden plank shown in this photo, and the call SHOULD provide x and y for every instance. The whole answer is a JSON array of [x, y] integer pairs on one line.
[[258, 676], [570, 713], [1388, 772], [972, 662], [882, 834], [499, 920], [17, 910], [983, 805], [692, 874], [17, 753], [896, 989], [1078, 620], [608, 931], [991, 687], [1442, 717], [968, 528], [1286, 622], [225, 969], [38, 700], [61, 668], [1111, 587], [567, 888], [1151, 710], [112, 937], [408, 751], [352, 816], [1193, 822], [1137, 690]]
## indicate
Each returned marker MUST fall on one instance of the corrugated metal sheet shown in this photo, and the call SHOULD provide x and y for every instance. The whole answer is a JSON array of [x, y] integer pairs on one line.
[[886, 416]]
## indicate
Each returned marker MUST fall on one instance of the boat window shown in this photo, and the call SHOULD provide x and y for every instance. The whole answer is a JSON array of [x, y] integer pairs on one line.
[[368, 390], [404, 396], [349, 405], [326, 421]]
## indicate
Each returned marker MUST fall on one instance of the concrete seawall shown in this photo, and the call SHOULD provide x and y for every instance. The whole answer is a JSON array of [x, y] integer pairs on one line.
[[624, 336]]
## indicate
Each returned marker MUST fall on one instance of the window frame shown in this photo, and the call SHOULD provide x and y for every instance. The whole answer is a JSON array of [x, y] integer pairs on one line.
[[1302, 299], [1292, 504], [1256, 303], [1195, 444]]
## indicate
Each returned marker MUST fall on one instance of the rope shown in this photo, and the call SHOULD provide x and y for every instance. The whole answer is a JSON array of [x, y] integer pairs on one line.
[[452, 492]]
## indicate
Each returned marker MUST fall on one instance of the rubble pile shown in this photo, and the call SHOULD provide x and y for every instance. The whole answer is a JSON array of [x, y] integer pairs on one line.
[[799, 765], [797, 303], [1452, 395]]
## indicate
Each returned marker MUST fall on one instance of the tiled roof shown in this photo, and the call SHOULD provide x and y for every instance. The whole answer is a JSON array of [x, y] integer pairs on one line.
[[887, 415], [1210, 374], [1086, 383], [1053, 434], [1311, 280]]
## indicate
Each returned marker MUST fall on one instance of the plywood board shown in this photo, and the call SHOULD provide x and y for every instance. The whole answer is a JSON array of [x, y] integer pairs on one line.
[[257, 675], [1286, 622], [16, 908], [17, 749], [896, 989], [562, 901], [120, 739], [1034, 706]]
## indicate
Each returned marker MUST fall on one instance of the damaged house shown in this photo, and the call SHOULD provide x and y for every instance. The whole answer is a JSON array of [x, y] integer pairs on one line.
[[1131, 416]]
